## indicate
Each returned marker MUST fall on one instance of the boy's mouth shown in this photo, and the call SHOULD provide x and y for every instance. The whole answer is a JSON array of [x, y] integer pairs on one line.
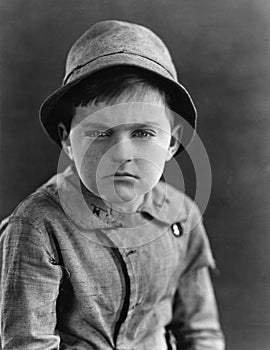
[[125, 174]]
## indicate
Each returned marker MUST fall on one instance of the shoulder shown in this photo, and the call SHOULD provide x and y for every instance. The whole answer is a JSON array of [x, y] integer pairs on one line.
[[34, 209], [177, 204]]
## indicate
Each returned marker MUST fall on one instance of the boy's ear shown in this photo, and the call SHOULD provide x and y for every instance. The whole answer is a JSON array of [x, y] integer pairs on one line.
[[176, 136], [65, 140]]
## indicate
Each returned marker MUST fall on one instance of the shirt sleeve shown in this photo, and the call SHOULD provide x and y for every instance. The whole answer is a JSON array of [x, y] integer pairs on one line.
[[29, 288], [195, 324]]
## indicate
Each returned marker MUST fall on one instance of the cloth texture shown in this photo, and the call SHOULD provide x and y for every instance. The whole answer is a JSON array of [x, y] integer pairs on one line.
[[86, 277]]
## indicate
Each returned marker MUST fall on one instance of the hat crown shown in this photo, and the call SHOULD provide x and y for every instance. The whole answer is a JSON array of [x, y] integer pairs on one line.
[[112, 37]]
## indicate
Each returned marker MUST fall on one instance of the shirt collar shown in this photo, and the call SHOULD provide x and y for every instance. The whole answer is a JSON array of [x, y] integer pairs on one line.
[[163, 203]]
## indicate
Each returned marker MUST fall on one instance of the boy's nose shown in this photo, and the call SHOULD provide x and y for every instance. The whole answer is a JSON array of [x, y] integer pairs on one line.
[[122, 150]]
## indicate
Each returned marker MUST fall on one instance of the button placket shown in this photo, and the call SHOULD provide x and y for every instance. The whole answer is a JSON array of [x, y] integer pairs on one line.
[[127, 255]]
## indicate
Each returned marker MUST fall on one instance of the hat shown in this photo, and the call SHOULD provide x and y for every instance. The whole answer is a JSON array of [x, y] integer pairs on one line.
[[115, 43]]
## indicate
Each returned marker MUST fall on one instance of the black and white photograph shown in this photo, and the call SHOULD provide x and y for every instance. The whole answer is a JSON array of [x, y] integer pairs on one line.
[[134, 175]]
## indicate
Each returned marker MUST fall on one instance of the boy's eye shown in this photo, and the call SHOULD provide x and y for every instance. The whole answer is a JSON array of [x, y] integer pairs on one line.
[[144, 133], [96, 134]]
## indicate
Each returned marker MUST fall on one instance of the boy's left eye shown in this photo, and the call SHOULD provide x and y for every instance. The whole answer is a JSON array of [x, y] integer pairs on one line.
[[144, 133]]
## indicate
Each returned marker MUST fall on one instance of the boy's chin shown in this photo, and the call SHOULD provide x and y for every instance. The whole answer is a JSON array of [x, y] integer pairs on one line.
[[126, 200]]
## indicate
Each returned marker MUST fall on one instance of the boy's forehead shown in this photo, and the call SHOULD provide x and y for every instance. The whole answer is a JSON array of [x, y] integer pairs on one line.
[[123, 113]]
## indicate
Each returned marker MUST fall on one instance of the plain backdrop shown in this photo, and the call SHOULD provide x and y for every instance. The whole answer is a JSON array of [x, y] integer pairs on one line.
[[221, 51]]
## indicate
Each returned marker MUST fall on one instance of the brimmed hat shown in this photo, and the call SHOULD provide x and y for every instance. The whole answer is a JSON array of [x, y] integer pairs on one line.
[[114, 43]]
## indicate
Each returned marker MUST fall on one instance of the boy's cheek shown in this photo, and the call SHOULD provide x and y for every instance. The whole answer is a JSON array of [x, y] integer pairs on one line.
[[88, 163], [84, 150]]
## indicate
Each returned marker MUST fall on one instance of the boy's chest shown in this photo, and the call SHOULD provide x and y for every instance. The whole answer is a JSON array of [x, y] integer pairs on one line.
[[116, 270]]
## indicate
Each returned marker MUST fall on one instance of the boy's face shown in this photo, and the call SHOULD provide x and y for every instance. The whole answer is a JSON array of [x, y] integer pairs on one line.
[[120, 151]]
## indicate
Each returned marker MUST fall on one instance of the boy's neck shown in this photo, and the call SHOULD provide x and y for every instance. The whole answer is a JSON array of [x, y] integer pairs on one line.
[[126, 207]]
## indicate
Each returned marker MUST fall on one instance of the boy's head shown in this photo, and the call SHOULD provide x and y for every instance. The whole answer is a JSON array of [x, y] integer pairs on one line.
[[113, 115], [119, 122]]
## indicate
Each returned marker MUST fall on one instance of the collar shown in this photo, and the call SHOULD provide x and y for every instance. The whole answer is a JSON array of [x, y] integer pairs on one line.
[[163, 203]]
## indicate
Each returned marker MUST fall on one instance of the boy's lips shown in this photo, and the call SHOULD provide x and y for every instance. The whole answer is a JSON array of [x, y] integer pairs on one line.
[[124, 174]]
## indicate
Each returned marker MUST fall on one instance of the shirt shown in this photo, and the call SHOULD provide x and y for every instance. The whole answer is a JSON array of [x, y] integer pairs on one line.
[[77, 274]]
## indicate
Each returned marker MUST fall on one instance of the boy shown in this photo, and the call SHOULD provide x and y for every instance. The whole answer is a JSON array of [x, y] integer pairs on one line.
[[104, 255]]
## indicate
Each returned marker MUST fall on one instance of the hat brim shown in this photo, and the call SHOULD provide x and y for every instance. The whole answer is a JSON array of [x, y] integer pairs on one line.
[[182, 101]]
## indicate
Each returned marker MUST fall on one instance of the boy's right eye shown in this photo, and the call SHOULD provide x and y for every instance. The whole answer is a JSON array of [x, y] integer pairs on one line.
[[96, 134]]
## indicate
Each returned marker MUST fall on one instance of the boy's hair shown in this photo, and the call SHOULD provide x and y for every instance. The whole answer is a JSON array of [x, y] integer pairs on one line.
[[108, 86]]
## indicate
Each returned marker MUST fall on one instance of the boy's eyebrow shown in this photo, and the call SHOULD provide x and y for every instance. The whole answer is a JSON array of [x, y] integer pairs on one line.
[[129, 125]]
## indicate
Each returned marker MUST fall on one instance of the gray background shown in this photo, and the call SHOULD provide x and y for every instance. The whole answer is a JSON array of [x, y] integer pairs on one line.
[[221, 50]]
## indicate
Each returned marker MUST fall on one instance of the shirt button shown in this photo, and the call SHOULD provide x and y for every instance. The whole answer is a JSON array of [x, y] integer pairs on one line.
[[177, 229]]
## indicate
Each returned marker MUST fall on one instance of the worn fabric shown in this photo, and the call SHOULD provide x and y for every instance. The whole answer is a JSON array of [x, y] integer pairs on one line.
[[78, 275]]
